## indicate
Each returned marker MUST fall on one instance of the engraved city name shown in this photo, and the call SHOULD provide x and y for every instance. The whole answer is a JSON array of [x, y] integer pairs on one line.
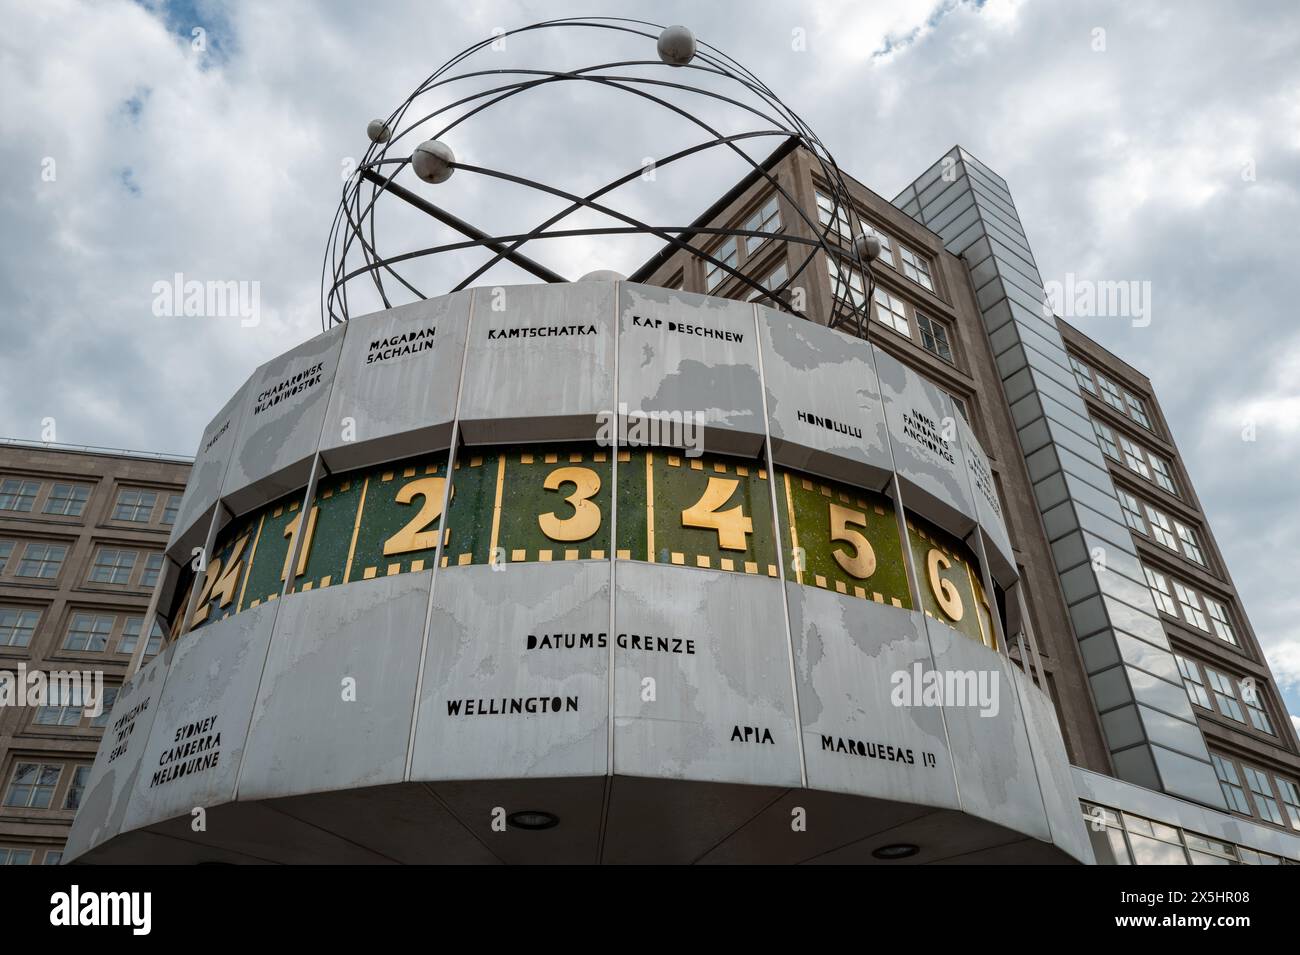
[[400, 346], [682, 328], [289, 387], [839, 427], [541, 331]]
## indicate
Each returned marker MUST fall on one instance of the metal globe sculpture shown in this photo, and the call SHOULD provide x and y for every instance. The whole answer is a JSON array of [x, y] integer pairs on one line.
[[523, 127]]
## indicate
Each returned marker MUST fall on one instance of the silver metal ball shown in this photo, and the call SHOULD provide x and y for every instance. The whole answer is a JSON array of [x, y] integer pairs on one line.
[[378, 131], [867, 246], [433, 161], [676, 45], [603, 275]]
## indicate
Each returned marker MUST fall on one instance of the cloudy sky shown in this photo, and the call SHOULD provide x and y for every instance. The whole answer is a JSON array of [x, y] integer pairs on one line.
[[1152, 142]]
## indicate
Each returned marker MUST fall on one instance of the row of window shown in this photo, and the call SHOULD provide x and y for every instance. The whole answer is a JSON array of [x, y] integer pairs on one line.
[[848, 283], [1121, 399], [67, 707], [1268, 802], [33, 785], [1121, 838], [894, 254], [88, 632], [27, 855], [766, 219], [1138, 459], [1202, 612], [1150, 521], [42, 560], [1235, 698], [133, 505]]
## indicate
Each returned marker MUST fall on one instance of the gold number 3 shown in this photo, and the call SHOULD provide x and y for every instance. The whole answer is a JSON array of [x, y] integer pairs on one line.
[[863, 562], [732, 525], [585, 520]]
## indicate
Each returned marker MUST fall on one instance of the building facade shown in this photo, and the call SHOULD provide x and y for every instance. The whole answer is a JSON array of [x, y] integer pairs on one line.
[[1144, 725], [81, 539]]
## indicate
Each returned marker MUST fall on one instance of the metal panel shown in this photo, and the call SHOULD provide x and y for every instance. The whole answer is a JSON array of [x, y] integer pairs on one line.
[[516, 673], [721, 706], [990, 744], [823, 404], [850, 657], [539, 365], [220, 438], [397, 381], [113, 777], [682, 352], [198, 733], [988, 507], [287, 400], [334, 710], [927, 452]]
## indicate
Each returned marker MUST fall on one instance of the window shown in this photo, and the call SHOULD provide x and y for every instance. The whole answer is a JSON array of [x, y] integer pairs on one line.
[[6, 548], [80, 776], [1132, 510], [152, 568], [1191, 605], [32, 785], [1290, 794], [52, 857], [17, 626], [16, 495], [891, 311], [1191, 546], [137, 506], [1250, 698], [1193, 682], [113, 566], [886, 249], [916, 268], [15, 856], [1137, 410], [1162, 475], [1161, 529], [1219, 616], [1134, 457], [836, 218], [110, 698], [65, 707], [778, 277], [1106, 437], [173, 505], [1110, 392], [847, 282], [67, 500], [88, 632], [934, 336], [131, 635], [1230, 783], [766, 219], [1225, 695], [42, 561], [1263, 793], [1154, 843], [1083, 375], [1207, 851], [1160, 591]]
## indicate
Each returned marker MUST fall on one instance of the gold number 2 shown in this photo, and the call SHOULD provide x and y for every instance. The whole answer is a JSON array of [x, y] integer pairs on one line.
[[585, 520], [863, 562], [415, 535], [944, 591], [732, 525]]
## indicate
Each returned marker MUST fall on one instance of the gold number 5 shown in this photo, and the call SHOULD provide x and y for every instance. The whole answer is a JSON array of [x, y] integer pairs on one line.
[[863, 562], [732, 525], [586, 515]]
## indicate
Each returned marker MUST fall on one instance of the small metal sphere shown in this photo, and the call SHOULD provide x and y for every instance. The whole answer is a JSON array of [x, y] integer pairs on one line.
[[433, 161], [867, 246], [378, 131], [676, 45], [603, 275]]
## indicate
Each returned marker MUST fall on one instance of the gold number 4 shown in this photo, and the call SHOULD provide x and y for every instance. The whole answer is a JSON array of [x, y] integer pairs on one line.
[[219, 584], [732, 525], [585, 520], [863, 562], [416, 535]]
